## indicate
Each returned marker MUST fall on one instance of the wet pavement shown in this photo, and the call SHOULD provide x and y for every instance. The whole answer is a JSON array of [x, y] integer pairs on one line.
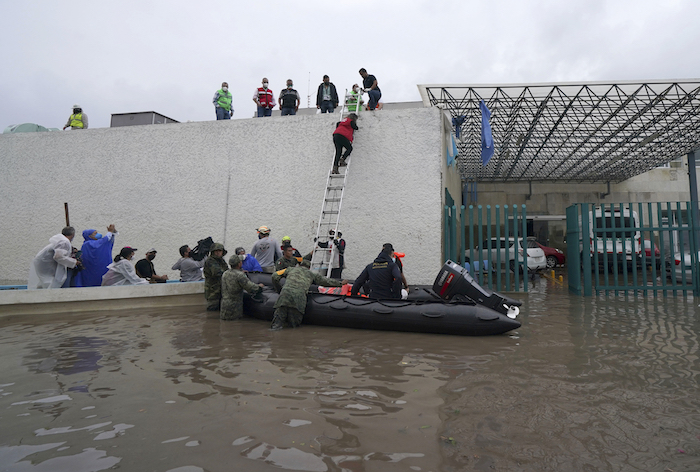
[[598, 384]]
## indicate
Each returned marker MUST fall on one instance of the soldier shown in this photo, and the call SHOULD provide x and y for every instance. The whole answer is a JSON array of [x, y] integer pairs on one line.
[[233, 282], [287, 259], [214, 268], [291, 305]]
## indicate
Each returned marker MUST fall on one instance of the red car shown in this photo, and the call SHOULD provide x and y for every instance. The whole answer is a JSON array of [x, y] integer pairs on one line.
[[554, 257]]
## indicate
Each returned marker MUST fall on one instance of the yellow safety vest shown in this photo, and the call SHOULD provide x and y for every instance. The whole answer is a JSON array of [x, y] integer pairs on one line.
[[76, 121]]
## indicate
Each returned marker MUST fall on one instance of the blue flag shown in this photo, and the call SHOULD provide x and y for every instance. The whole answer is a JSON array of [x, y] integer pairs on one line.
[[486, 136]]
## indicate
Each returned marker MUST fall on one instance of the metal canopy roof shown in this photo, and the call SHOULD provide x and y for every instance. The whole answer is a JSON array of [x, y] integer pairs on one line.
[[577, 132]]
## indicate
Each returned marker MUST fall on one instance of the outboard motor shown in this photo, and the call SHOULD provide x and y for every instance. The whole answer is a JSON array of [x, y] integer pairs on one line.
[[453, 280]]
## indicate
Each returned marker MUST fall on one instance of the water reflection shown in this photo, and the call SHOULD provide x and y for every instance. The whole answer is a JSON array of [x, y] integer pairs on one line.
[[605, 384]]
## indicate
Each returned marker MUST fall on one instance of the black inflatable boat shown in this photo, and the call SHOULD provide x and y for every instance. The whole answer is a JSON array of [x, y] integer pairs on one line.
[[456, 304]]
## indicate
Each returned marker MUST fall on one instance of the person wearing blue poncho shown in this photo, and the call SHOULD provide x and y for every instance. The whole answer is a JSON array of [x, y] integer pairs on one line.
[[96, 256]]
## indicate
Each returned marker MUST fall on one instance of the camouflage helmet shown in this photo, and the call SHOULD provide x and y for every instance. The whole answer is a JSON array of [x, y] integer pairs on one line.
[[305, 263], [217, 247], [235, 260]]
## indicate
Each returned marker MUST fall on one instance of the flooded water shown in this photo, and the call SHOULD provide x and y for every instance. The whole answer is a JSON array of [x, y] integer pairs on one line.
[[584, 385]]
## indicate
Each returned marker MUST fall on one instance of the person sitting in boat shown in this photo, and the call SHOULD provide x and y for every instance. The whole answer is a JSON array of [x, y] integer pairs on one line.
[[49, 268], [287, 241], [233, 283], [396, 257], [214, 268], [145, 268], [121, 271], [291, 305], [190, 270], [96, 256], [287, 259], [383, 275], [250, 264]]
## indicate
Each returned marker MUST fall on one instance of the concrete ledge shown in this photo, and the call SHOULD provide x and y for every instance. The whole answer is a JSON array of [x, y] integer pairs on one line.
[[74, 300]]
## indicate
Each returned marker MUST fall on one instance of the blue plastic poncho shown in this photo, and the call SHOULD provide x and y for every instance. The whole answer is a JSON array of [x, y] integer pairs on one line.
[[97, 255]]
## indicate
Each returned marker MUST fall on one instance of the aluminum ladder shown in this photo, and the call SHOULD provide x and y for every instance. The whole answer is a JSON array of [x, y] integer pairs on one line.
[[322, 258]]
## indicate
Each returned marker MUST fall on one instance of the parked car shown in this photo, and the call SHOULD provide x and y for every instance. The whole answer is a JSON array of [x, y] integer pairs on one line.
[[681, 271], [554, 256], [502, 250]]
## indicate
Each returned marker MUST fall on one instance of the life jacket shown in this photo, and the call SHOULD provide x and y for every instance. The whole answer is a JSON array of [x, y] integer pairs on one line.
[[265, 97], [289, 98], [225, 99], [76, 120]]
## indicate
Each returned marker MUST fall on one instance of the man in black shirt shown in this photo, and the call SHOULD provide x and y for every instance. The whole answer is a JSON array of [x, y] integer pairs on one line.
[[383, 275], [145, 269], [369, 83]]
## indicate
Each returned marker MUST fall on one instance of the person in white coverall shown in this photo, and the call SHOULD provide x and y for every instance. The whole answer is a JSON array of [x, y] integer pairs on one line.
[[49, 268], [121, 271]]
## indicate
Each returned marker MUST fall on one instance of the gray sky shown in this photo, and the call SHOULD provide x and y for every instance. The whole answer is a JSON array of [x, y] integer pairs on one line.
[[171, 56]]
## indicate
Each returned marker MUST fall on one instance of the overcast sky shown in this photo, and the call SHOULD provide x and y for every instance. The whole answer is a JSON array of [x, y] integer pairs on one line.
[[171, 56]]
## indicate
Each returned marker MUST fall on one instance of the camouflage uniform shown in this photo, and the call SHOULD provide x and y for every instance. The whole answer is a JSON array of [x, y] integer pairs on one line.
[[233, 282], [214, 268], [291, 304], [283, 263]]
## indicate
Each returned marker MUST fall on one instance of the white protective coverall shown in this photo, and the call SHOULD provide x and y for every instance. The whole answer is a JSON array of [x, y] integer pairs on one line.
[[122, 273], [49, 267]]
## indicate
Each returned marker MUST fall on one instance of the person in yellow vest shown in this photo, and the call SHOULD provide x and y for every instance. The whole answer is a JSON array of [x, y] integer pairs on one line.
[[223, 101], [353, 98], [78, 120]]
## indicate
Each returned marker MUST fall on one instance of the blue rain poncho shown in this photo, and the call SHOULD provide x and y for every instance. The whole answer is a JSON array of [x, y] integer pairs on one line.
[[96, 256]]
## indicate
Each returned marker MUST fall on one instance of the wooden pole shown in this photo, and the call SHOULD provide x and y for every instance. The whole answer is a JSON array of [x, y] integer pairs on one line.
[[65, 206]]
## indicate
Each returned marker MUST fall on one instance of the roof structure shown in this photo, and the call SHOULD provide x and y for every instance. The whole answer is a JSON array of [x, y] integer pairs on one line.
[[572, 132]]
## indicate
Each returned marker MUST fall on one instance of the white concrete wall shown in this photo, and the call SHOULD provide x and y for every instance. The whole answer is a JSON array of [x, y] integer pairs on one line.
[[168, 185]]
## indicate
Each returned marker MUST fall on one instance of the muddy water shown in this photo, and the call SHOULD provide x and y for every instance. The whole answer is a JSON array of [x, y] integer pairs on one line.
[[585, 385]]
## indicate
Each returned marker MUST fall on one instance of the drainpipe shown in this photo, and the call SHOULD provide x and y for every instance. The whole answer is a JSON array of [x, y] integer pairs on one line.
[[693, 181]]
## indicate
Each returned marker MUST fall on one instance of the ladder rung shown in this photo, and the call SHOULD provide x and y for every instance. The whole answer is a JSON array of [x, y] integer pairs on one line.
[[331, 212], [335, 188]]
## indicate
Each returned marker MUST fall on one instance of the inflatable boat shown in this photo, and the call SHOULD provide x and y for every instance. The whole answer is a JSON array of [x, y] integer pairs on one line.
[[455, 304]]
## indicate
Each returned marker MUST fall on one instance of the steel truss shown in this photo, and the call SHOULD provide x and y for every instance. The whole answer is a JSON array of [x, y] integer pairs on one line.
[[575, 132]]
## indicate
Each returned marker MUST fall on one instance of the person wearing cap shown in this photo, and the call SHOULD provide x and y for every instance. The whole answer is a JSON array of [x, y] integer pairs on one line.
[[266, 250], [223, 103], [96, 256], [291, 304], [190, 270], [214, 268], [287, 241], [78, 120], [383, 275], [338, 262], [287, 259], [233, 283], [145, 268], [250, 264], [121, 271]]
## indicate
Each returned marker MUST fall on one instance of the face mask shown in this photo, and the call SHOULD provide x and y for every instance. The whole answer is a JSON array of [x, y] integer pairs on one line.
[[150, 257], [393, 259], [264, 84], [356, 89], [243, 256], [98, 236], [225, 89], [290, 86]]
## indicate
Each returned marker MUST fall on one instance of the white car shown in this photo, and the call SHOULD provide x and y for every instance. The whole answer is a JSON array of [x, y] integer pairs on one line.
[[502, 250], [682, 272]]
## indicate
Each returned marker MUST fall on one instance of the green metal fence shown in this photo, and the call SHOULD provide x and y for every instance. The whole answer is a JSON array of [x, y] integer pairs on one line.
[[466, 231], [640, 248]]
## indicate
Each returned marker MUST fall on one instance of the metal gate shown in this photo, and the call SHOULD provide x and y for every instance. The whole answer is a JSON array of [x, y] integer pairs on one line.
[[464, 243], [638, 248]]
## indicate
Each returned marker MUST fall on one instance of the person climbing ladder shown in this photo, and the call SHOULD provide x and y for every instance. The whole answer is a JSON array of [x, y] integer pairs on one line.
[[342, 138]]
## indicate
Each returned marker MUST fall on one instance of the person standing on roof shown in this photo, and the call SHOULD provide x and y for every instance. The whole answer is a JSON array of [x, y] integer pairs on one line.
[[266, 250], [342, 138], [78, 120], [289, 100], [264, 99], [327, 96], [369, 82], [223, 103]]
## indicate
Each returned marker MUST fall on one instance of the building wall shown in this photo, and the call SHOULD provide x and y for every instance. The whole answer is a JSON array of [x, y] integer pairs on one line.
[[169, 185]]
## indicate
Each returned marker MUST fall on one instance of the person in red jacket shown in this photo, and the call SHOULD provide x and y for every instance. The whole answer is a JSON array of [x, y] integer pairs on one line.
[[264, 99], [342, 138]]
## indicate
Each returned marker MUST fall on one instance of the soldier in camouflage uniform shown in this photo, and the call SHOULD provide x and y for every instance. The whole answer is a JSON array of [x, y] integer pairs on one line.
[[214, 268], [291, 305], [287, 259], [233, 282]]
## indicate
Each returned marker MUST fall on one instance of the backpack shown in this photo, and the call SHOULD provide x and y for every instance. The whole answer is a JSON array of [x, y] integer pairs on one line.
[[202, 249]]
